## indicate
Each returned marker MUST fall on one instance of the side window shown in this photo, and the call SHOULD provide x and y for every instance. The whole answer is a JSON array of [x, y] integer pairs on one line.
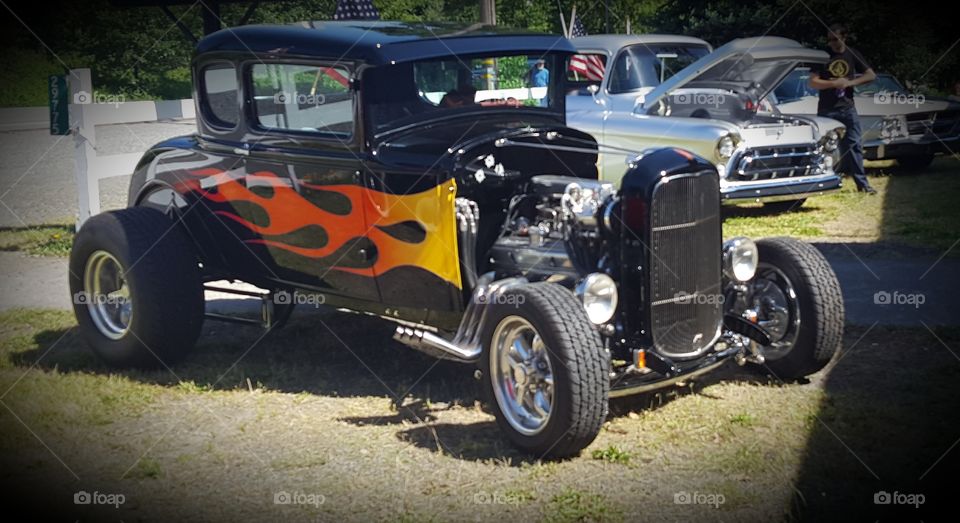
[[586, 68], [307, 98], [220, 94]]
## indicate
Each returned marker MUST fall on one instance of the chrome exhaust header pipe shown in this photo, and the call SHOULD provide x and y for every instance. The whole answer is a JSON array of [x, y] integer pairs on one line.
[[466, 345]]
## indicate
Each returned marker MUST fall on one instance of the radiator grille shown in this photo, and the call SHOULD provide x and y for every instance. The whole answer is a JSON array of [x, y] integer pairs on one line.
[[769, 163], [685, 247]]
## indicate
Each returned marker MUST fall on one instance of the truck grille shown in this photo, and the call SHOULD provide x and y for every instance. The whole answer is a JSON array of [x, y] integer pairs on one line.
[[942, 124], [768, 163], [686, 309]]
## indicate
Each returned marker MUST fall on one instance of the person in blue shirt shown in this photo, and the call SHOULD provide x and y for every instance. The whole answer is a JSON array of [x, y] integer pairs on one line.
[[540, 77]]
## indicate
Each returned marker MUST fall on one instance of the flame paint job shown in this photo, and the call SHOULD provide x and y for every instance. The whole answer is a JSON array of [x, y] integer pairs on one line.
[[287, 211]]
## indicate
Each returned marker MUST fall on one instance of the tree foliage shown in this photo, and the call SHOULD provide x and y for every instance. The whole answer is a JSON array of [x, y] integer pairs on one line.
[[139, 52]]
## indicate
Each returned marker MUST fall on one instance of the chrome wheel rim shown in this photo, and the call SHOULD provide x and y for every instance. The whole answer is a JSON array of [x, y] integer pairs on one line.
[[522, 375], [107, 295], [774, 300]]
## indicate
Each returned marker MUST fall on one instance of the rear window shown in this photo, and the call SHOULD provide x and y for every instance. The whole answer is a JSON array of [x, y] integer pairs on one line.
[[220, 96]]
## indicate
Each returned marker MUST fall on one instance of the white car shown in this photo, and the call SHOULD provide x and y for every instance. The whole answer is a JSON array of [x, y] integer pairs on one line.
[[896, 124]]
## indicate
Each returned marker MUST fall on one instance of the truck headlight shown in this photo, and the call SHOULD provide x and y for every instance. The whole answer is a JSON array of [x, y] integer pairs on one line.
[[725, 147], [740, 258], [598, 293], [831, 141]]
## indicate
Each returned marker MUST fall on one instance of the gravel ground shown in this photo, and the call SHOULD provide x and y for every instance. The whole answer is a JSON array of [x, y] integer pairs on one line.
[[37, 183]]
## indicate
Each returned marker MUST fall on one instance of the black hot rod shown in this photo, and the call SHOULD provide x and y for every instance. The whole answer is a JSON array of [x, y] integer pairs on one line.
[[420, 173]]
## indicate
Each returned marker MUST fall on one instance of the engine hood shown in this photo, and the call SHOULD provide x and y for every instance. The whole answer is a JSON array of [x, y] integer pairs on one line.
[[754, 65]]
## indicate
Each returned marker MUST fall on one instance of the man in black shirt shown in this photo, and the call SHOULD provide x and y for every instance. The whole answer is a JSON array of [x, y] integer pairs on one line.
[[835, 81]]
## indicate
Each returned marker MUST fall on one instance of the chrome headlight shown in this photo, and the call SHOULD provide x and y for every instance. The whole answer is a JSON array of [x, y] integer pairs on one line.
[[725, 147], [598, 293], [894, 127], [831, 141], [740, 257]]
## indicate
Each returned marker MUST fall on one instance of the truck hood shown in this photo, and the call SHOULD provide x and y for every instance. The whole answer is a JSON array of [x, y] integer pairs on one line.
[[755, 65]]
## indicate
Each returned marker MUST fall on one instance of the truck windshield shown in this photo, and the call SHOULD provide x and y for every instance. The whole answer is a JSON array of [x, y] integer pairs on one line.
[[646, 65], [405, 93]]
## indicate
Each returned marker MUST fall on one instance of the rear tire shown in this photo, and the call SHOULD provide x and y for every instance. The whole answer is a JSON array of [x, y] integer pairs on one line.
[[550, 323], [813, 334], [136, 286], [782, 207]]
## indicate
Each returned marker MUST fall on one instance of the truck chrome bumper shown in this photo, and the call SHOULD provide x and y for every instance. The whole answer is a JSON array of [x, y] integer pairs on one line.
[[780, 190]]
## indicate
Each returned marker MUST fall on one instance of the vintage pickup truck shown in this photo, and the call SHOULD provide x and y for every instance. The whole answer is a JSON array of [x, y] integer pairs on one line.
[[639, 91], [396, 169]]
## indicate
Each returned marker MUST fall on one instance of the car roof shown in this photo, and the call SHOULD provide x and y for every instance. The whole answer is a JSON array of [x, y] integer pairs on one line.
[[614, 42], [379, 42]]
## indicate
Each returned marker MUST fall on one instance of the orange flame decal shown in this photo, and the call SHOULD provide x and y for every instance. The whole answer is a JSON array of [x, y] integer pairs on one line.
[[288, 211]]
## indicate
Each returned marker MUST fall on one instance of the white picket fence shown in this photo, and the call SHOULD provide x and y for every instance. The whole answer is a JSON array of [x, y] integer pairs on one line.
[[91, 167]]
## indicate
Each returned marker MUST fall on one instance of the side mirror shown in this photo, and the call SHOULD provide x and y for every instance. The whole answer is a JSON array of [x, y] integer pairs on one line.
[[593, 89]]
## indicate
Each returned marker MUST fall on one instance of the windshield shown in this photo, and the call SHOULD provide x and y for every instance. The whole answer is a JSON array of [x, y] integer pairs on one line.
[[883, 83], [405, 93], [794, 87], [643, 65]]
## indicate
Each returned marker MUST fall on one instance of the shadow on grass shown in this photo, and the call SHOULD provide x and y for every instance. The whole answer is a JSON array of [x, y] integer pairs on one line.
[[322, 352], [920, 206], [887, 424], [730, 211], [328, 353], [888, 414]]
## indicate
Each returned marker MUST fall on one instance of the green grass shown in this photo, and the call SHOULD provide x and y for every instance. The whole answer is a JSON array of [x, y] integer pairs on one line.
[[191, 441], [41, 240], [612, 454], [575, 506], [918, 209]]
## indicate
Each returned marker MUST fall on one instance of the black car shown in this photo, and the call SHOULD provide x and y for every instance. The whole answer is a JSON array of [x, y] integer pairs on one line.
[[368, 164]]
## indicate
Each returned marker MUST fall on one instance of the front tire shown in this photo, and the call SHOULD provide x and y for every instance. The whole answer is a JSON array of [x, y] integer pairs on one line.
[[137, 292], [799, 303], [546, 370]]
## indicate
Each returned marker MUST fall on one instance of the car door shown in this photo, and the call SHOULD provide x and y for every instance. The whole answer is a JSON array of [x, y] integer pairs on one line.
[[302, 173]]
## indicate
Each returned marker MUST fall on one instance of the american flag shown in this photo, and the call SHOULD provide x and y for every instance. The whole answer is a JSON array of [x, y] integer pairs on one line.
[[577, 29], [588, 65], [356, 10]]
